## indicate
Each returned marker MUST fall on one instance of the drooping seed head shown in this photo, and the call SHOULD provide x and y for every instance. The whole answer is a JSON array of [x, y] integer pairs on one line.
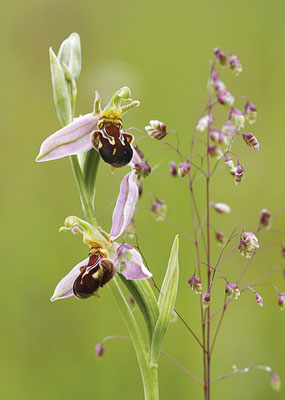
[[195, 284], [183, 169], [239, 174], [234, 64], [156, 129], [258, 299], [232, 290], [173, 169], [250, 112], [251, 140]]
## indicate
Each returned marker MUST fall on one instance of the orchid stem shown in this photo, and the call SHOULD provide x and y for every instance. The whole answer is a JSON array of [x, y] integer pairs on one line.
[[86, 202], [149, 371]]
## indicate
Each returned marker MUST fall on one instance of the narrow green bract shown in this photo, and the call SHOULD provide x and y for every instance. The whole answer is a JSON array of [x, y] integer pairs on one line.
[[60, 91], [166, 302]]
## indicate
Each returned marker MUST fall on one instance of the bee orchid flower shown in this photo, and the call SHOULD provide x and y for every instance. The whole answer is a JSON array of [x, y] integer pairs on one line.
[[101, 130], [106, 257]]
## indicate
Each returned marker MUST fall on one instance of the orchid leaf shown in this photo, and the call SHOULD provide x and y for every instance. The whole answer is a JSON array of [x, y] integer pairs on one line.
[[166, 302]]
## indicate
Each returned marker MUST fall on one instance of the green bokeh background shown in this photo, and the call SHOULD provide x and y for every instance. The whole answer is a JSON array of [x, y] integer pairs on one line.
[[161, 49]]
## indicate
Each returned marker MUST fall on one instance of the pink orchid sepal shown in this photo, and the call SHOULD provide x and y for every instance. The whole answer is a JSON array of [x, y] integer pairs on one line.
[[106, 257]]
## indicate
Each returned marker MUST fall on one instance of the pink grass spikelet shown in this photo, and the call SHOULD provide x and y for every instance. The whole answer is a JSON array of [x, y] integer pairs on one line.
[[239, 174], [258, 299], [251, 140]]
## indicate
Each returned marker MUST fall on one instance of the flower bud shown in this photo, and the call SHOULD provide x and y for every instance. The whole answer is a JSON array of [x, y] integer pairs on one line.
[[239, 174], [232, 290], [219, 86], [230, 164], [229, 128], [206, 300], [226, 98], [275, 382], [173, 169], [142, 169], [214, 75], [250, 112], [234, 64], [258, 299], [214, 151], [281, 301], [70, 54], [265, 218], [159, 208], [183, 169], [99, 349], [220, 56], [195, 283], [251, 140], [238, 118], [156, 129], [248, 244], [220, 237], [222, 208], [204, 122]]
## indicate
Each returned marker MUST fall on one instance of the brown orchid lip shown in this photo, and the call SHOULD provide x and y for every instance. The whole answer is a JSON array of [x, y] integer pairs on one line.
[[95, 274], [113, 145]]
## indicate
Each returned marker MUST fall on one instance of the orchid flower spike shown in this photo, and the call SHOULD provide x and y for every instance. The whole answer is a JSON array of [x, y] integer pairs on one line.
[[106, 257], [99, 129]]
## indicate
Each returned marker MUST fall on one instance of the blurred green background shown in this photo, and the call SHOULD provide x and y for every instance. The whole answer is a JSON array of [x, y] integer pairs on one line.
[[161, 49]]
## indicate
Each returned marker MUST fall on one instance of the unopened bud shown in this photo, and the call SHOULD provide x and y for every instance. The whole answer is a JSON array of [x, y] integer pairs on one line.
[[156, 129], [215, 151], [220, 237], [238, 118], [275, 382], [258, 299], [230, 164], [234, 64], [173, 168], [251, 140], [250, 113], [69, 55], [183, 169], [222, 208], [99, 349], [220, 56], [229, 128], [195, 284], [281, 301], [206, 300], [232, 290], [239, 174], [219, 86], [226, 97], [159, 209], [214, 75], [265, 218], [248, 244], [204, 122], [142, 169]]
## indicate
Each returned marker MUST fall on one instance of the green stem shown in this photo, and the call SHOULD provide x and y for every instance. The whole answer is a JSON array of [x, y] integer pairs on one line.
[[86, 202], [149, 372]]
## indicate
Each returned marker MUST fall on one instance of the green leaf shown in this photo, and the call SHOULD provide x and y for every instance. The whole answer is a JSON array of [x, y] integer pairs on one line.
[[60, 91], [166, 302], [145, 299]]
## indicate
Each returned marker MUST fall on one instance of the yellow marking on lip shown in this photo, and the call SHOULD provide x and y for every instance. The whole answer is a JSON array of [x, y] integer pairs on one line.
[[114, 151]]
